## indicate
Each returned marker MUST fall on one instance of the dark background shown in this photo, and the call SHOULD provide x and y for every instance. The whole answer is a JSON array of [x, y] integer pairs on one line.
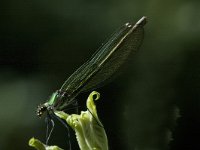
[[43, 41]]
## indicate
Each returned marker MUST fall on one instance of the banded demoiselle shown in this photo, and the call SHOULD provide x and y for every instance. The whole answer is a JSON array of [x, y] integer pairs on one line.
[[99, 68]]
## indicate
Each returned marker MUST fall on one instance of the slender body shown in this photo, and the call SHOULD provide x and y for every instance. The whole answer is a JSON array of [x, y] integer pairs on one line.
[[100, 67]]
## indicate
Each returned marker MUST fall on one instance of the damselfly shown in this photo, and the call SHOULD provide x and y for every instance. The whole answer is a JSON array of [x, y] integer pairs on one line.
[[100, 67]]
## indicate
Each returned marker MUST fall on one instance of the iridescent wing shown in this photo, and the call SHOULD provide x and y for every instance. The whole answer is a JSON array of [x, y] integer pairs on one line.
[[106, 61]]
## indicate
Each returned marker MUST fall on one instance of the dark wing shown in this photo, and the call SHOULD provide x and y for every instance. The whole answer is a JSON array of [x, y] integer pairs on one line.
[[106, 60], [113, 54]]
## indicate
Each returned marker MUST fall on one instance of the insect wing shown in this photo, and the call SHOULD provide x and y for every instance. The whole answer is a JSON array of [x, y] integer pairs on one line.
[[112, 55], [106, 60]]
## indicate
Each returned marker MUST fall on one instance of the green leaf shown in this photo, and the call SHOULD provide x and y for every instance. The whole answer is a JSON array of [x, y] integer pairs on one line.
[[89, 130], [40, 146]]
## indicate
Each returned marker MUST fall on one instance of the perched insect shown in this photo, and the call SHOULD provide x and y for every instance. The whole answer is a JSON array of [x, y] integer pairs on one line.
[[101, 66]]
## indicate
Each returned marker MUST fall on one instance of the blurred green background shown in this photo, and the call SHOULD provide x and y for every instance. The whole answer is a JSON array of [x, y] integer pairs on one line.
[[43, 41]]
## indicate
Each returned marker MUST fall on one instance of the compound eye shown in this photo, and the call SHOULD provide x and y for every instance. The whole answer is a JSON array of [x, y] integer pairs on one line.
[[40, 110]]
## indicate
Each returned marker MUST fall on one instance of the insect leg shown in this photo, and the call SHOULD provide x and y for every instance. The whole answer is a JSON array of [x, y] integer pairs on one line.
[[75, 105], [66, 126], [50, 123], [95, 119]]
